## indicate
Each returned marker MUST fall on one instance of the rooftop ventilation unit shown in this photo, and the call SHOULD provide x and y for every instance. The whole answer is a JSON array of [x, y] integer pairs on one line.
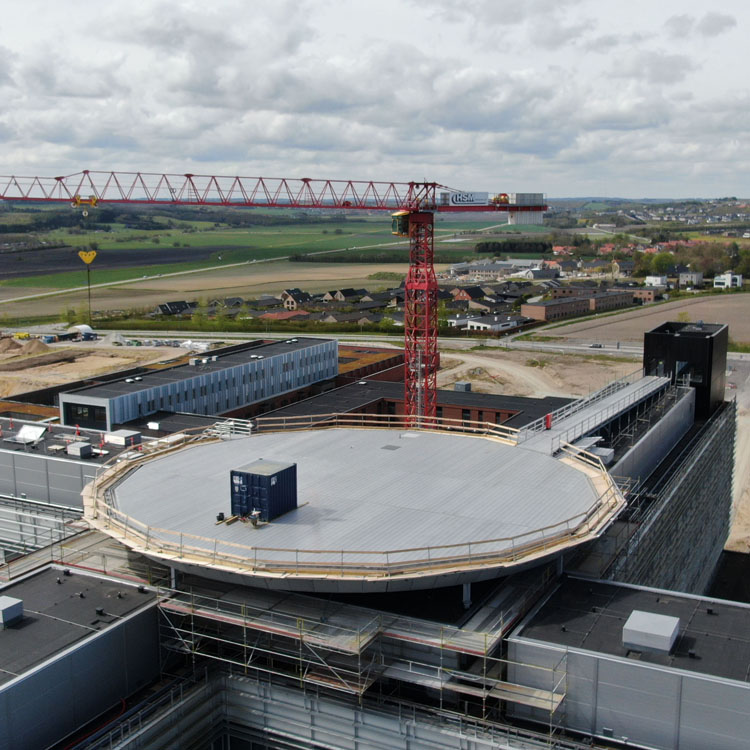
[[646, 631], [11, 611]]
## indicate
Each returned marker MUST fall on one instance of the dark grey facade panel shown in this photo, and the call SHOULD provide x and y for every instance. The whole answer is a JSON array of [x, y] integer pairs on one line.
[[31, 476], [7, 474], [713, 715], [648, 705], [641, 460], [62, 695], [680, 538], [44, 478], [637, 702]]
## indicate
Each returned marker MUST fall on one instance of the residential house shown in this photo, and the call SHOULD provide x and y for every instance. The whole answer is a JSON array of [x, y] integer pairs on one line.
[[460, 320], [594, 266], [353, 317], [227, 302], [656, 281], [536, 274], [728, 280], [293, 292], [383, 298], [495, 323], [296, 299], [690, 278], [344, 295], [467, 293], [180, 307]]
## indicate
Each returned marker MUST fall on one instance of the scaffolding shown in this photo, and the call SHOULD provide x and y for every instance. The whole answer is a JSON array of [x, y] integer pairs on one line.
[[372, 656]]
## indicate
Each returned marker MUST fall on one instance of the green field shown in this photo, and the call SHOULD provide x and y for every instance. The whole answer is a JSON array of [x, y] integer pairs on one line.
[[233, 245]]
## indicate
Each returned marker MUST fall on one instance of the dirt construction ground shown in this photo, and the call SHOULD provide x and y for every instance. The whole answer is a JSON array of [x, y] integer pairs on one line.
[[522, 373], [58, 364], [629, 327]]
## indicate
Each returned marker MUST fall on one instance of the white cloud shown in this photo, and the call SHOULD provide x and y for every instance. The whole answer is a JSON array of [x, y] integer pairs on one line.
[[713, 24], [654, 67], [483, 94]]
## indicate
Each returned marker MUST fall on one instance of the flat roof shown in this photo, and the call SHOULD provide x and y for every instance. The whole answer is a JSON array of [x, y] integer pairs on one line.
[[689, 329], [170, 422], [182, 372], [55, 440], [590, 615], [364, 392], [364, 490], [56, 616]]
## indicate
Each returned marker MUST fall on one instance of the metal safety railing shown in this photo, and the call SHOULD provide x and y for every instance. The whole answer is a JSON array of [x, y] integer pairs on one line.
[[601, 415], [539, 425], [387, 421], [99, 501]]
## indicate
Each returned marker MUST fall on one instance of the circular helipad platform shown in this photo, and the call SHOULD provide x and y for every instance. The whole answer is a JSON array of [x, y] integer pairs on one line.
[[376, 509]]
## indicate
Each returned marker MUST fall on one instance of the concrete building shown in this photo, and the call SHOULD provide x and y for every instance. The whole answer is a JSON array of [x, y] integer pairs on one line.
[[555, 309], [549, 528], [209, 384], [577, 290], [612, 299], [647, 294], [690, 694]]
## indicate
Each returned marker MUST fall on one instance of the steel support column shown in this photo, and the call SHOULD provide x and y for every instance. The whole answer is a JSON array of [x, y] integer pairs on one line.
[[420, 323]]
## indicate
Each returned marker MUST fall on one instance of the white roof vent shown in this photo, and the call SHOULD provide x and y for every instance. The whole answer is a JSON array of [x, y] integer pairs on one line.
[[646, 631], [11, 611]]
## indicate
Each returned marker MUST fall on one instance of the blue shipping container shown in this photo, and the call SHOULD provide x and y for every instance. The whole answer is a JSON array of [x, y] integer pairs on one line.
[[267, 486]]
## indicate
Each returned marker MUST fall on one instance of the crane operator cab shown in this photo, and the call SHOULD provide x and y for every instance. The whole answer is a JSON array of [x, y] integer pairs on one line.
[[400, 223]]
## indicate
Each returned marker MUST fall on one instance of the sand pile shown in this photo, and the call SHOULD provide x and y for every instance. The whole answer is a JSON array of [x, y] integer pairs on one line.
[[8, 345], [34, 346]]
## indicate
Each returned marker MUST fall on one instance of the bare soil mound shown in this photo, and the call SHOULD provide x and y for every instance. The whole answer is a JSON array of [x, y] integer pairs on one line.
[[34, 346], [8, 345]]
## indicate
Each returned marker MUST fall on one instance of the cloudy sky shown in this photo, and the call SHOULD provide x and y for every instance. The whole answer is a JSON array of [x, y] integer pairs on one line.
[[645, 98]]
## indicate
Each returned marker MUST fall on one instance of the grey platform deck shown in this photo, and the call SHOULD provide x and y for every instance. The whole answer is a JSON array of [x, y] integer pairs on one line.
[[363, 491]]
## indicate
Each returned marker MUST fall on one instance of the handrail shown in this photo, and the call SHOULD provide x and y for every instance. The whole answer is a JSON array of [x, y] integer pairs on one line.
[[100, 499], [568, 410], [580, 427], [371, 563], [385, 421]]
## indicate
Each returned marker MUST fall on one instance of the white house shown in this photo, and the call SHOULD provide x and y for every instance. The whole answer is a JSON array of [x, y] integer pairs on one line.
[[495, 322], [655, 281], [728, 280]]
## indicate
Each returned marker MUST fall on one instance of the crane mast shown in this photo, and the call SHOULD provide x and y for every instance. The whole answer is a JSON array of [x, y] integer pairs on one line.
[[415, 204]]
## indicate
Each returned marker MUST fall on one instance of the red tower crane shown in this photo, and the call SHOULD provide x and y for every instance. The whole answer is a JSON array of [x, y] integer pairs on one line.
[[414, 204]]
